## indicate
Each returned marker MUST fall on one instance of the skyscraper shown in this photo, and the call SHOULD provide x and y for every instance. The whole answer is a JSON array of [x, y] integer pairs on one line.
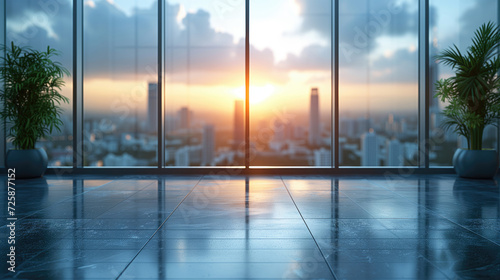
[[152, 124], [369, 149], [184, 118], [239, 126], [182, 156], [434, 111], [314, 131], [322, 157], [395, 153], [208, 145]]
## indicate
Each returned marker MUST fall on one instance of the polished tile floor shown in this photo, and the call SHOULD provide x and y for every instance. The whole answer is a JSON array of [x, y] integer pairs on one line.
[[275, 227]]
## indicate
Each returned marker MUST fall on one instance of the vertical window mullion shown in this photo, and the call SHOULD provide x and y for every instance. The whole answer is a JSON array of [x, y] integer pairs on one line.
[[78, 152], [424, 84], [247, 84], [159, 88], [335, 75]]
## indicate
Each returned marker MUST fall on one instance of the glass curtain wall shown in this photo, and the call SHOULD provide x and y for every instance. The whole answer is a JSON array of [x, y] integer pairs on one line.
[[290, 80], [120, 83], [204, 83], [38, 24], [378, 77], [290, 83], [453, 22]]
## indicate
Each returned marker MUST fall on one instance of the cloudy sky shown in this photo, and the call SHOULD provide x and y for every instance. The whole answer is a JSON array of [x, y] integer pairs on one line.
[[290, 50]]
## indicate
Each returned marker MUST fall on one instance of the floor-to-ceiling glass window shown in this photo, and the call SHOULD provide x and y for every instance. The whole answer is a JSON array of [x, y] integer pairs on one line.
[[378, 76], [453, 22], [290, 83], [38, 24], [290, 79], [204, 83], [120, 83]]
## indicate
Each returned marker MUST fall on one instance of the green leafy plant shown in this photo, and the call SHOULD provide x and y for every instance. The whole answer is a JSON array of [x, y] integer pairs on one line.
[[473, 93], [30, 94]]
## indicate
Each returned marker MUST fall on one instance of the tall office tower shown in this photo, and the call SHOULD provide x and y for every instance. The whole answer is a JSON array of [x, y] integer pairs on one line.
[[182, 156], [314, 127], [322, 157], [390, 124], [369, 149], [208, 145], [347, 127], [239, 125], [404, 127], [434, 76], [170, 123], [395, 153], [152, 124], [184, 118]]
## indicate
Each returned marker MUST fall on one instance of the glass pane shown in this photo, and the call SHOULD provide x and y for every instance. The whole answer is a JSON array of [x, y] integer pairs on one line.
[[205, 83], [290, 89], [120, 83], [378, 99], [38, 25], [453, 22]]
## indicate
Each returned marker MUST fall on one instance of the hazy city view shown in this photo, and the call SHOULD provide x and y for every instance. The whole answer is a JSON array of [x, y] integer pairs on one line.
[[291, 116]]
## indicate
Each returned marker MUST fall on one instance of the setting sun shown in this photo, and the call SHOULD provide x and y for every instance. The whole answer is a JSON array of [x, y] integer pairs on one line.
[[257, 93]]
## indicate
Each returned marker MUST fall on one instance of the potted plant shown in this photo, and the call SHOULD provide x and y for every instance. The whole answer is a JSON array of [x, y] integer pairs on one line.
[[473, 99], [31, 105]]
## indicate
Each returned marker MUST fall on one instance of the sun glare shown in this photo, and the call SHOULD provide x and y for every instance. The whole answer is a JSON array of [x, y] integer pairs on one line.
[[181, 14], [297, 9], [257, 93], [90, 3]]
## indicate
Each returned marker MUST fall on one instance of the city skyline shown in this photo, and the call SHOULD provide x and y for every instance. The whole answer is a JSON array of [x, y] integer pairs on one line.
[[381, 139]]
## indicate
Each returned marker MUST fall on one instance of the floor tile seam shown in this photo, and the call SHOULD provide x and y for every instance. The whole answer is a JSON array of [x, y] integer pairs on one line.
[[98, 187], [212, 238], [63, 201], [430, 211], [158, 229], [435, 266], [121, 201], [442, 216], [392, 191], [434, 213], [463, 227], [310, 232], [19, 268], [198, 238], [152, 183], [363, 208], [115, 180], [71, 198], [51, 205], [230, 250], [377, 218], [111, 208], [228, 262], [51, 219]]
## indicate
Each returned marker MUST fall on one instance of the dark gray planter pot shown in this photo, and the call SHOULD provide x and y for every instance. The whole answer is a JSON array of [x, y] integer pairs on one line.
[[476, 164], [28, 163]]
